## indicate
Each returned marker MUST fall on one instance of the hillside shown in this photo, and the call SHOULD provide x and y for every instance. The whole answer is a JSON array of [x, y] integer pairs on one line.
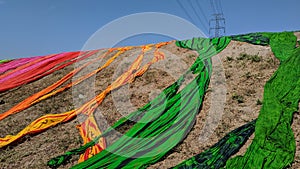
[[246, 67]]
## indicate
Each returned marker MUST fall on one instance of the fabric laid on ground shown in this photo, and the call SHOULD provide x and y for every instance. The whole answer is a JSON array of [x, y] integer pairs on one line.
[[217, 155], [215, 158], [45, 93], [50, 90], [86, 131], [4, 61], [168, 92], [253, 38], [162, 123], [16, 63], [274, 142], [165, 121], [37, 69], [89, 129], [40, 125]]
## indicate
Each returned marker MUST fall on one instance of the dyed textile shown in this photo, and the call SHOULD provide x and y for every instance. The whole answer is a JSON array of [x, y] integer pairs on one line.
[[9, 65], [274, 143], [50, 90], [4, 61], [165, 121], [162, 123], [86, 131], [217, 155]]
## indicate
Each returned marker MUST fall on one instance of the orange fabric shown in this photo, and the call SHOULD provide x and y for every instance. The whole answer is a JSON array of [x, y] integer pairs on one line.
[[46, 93], [89, 128], [33, 72], [39, 68], [127, 77], [25, 66], [37, 126]]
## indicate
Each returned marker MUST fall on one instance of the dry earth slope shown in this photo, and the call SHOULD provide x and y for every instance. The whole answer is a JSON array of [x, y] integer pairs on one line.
[[246, 68]]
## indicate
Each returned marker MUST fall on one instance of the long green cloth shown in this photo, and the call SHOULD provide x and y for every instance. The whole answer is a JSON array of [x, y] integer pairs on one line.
[[4, 61], [168, 120], [216, 156], [162, 123], [274, 143]]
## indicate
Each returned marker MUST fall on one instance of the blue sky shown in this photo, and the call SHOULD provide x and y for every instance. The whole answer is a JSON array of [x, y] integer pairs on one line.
[[41, 27]]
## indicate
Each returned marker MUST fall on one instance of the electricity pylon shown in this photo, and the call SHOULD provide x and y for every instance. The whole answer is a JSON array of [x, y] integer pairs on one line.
[[217, 25]]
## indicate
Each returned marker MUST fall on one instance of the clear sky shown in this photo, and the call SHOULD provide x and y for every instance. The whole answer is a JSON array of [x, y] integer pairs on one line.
[[41, 27]]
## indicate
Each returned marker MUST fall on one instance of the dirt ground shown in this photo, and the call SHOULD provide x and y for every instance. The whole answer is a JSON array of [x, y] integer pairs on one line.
[[245, 67]]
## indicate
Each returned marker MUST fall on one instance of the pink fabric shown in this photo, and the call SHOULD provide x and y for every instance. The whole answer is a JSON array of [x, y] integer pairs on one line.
[[39, 67], [16, 63], [32, 67]]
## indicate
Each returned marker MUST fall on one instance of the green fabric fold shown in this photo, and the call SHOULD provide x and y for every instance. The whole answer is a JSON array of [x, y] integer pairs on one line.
[[274, 142], [162, 123], [217, 155]]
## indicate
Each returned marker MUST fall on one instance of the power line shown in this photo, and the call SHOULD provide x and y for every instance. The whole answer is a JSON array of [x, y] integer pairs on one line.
[[185, 11], [220, 6], [216, 24], [201, 10], [217, 6], [213, 6], [206, 28], [190, 17]]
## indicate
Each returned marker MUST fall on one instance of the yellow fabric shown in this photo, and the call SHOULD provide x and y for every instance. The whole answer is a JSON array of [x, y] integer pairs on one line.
[[89, 130], [46, 93], [38, 125], [88, 108]]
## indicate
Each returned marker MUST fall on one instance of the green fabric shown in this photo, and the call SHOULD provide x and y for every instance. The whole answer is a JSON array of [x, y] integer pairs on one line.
[[155, 103], [162, 123], [274, 143], [4, 61], [216, 156], [283, 45], [169, 120], [253, 38]]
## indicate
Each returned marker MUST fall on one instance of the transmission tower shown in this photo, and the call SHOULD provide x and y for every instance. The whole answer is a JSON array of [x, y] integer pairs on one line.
[[217, 23]]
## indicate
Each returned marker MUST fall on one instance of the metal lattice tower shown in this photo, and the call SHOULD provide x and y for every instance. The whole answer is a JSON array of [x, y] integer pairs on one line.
[[217, 23]]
